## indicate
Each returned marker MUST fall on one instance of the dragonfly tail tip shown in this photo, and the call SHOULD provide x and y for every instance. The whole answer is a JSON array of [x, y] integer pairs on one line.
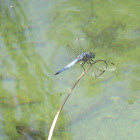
[[56, 73]]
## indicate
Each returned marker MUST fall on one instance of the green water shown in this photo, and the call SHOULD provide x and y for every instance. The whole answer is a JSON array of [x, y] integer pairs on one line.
[[33, 37]]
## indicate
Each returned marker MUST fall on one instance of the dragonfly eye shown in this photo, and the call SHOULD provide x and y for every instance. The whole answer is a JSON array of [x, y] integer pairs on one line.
[[92, 54]]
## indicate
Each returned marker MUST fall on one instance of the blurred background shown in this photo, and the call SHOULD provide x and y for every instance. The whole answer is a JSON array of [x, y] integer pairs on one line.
[[33, 39]]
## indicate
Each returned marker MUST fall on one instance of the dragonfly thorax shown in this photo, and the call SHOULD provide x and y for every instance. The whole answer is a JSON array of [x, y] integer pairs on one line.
[[86, 56]]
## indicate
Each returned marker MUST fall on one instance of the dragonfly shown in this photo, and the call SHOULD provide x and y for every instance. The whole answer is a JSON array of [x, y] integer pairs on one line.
[[84, 57]]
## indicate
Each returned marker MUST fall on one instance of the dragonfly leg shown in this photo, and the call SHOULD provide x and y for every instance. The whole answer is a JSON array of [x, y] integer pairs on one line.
[[92, 60], [82, 65], [89, 61]]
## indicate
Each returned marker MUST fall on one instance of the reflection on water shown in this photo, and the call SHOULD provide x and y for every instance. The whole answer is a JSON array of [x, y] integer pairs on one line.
[[29, 133], [33, 36]]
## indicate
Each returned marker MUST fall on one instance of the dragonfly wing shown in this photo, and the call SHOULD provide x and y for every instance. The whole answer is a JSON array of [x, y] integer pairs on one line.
[[80, 45], [72, 50]]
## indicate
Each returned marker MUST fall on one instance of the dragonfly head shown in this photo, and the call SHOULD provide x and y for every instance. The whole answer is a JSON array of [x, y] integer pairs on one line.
[[92, 54]]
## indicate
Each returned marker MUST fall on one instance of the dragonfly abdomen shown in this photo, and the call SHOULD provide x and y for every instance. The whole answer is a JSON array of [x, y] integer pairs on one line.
[[69, 65]]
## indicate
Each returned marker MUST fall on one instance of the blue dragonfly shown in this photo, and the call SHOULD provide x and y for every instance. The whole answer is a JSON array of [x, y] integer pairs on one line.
[[84, 57]]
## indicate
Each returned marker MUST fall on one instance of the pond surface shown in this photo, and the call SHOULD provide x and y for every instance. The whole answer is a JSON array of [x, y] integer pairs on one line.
[[33, 39]]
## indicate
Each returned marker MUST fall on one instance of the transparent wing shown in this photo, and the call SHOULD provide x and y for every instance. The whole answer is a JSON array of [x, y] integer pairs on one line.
[[101, 66], [72, 50], [80, 45]]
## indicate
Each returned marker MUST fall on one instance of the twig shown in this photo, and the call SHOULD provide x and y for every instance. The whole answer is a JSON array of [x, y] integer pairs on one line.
[[61, 107]]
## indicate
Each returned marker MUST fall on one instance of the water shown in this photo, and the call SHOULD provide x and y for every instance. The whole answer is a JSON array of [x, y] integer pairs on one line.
[[33, 36]]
